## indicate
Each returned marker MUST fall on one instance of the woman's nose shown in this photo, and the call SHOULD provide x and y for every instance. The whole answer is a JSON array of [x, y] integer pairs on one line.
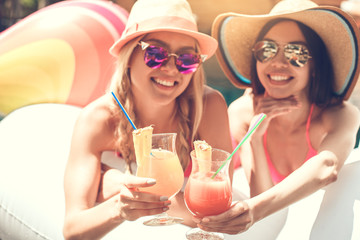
[[280, 59], [170, 65]]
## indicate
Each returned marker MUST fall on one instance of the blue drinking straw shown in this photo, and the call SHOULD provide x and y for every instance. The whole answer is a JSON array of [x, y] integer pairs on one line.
[[249, 132], [127, 116], [123, 109]]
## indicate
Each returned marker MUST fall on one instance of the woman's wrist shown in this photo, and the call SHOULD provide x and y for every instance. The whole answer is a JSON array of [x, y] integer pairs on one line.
[[259, 207], [115, 209], [256, 141]]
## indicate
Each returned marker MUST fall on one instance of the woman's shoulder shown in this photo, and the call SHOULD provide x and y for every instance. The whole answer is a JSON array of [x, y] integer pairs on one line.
[[214, 103], [240, 114], [211, 94], [345, 113], [95, 126], [98, 116], [242, 106], [346, 108], [214, 125]]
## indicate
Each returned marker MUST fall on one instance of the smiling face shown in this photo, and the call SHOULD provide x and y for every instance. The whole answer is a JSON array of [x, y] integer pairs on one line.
[[280, 78], [164, 84]]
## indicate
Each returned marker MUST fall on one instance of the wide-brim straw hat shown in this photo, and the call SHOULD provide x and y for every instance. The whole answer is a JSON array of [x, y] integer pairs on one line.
[[147, 16], [237, 33]]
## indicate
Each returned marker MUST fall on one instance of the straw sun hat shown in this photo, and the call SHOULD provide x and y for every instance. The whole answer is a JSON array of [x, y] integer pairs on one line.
[[163, 15], [237, 33]]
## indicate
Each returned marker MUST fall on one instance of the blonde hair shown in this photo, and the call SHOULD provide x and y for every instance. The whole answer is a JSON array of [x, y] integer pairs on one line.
[[189, 108]]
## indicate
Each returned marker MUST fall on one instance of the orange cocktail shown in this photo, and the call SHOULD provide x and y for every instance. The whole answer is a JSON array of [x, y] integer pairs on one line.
[[156, 158], [165, 167]]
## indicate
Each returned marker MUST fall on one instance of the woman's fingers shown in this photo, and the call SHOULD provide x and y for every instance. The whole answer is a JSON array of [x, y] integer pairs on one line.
[[133, 214], [274, 107], [237, 219], [132, 181], [135, 194], [134, 204]]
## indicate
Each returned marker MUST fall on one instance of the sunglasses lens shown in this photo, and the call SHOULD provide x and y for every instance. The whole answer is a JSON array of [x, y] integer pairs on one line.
[[188, 63], [155, 56], [296, 54], [264, 51]]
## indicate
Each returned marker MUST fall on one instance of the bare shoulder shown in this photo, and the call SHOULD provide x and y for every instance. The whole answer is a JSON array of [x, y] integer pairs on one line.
[[97, 112], [345, 115], [214, 125], [243, 104], [240, 114], [213, 96], [214, 105], [96, 121]]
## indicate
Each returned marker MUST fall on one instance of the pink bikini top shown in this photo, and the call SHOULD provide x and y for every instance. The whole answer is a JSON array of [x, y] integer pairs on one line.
[[275, 175]]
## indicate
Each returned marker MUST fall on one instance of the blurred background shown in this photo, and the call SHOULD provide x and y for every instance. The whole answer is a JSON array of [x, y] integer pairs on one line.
[[12, 11]]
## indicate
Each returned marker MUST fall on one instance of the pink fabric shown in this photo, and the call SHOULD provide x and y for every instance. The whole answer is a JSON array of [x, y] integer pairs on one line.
[[236, 157], [188, 170], [275, 175]]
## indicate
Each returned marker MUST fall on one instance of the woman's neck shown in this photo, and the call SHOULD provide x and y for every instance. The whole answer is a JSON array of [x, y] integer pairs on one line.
[[163, 117]]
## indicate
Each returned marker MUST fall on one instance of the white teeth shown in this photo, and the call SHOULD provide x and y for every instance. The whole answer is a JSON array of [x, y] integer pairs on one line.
[[164, 82], [278, 77]]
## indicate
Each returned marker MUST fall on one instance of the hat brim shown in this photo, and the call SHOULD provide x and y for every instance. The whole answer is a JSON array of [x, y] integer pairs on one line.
[[207, 44], [237, 33]]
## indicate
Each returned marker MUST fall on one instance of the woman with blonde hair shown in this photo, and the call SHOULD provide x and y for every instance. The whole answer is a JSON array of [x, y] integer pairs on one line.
[[160, 82]]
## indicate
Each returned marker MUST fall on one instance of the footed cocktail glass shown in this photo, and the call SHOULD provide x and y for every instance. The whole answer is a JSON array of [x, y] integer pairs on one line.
[[163, 165], [206, 195]]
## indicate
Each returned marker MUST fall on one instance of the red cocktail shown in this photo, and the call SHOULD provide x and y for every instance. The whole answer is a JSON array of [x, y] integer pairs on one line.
[[206, 195]]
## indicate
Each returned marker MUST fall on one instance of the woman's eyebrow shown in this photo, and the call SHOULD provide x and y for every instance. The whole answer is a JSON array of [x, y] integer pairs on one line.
[[164, 44]]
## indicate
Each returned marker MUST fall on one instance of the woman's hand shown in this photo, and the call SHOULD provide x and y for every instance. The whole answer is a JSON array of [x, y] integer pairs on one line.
[[272, 108], [237, 219], [112, 180], [130, 203]]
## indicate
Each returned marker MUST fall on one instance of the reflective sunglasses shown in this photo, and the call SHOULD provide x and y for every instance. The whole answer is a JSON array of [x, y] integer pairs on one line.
[[296, 54], [156, 57]]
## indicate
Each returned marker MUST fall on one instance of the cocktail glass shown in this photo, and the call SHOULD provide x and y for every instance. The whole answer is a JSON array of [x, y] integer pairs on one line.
[[206, 195], [163, 165]]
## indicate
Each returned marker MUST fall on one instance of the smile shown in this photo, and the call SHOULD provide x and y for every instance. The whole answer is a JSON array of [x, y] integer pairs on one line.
[[164, 82], [279, 78]]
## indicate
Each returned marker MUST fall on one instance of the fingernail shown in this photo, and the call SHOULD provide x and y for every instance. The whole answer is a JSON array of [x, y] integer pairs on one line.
[[205, 220], [167, 203], [151, 181], [165, 209], [163, 198]]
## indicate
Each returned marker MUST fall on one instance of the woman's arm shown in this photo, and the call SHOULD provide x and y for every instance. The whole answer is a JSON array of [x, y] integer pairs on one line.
[[82, 176], [341, 124], [84, 219]]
